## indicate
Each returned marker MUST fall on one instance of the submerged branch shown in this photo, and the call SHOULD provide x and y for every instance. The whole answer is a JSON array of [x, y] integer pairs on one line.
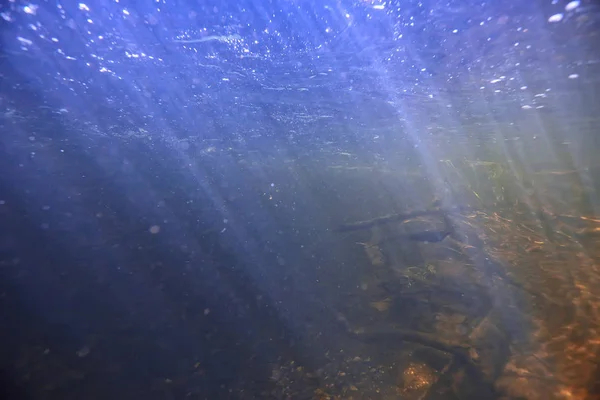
[[465, 353], [401, 217], [426, 339]]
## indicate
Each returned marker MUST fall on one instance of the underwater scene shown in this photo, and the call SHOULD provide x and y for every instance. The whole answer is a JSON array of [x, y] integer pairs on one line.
[[300, 199]]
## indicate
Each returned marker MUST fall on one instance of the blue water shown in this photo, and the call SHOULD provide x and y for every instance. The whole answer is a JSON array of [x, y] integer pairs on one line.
[[173, 177]]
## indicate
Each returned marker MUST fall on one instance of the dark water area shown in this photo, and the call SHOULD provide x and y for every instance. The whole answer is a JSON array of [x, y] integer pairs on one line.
[[220, 284]]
